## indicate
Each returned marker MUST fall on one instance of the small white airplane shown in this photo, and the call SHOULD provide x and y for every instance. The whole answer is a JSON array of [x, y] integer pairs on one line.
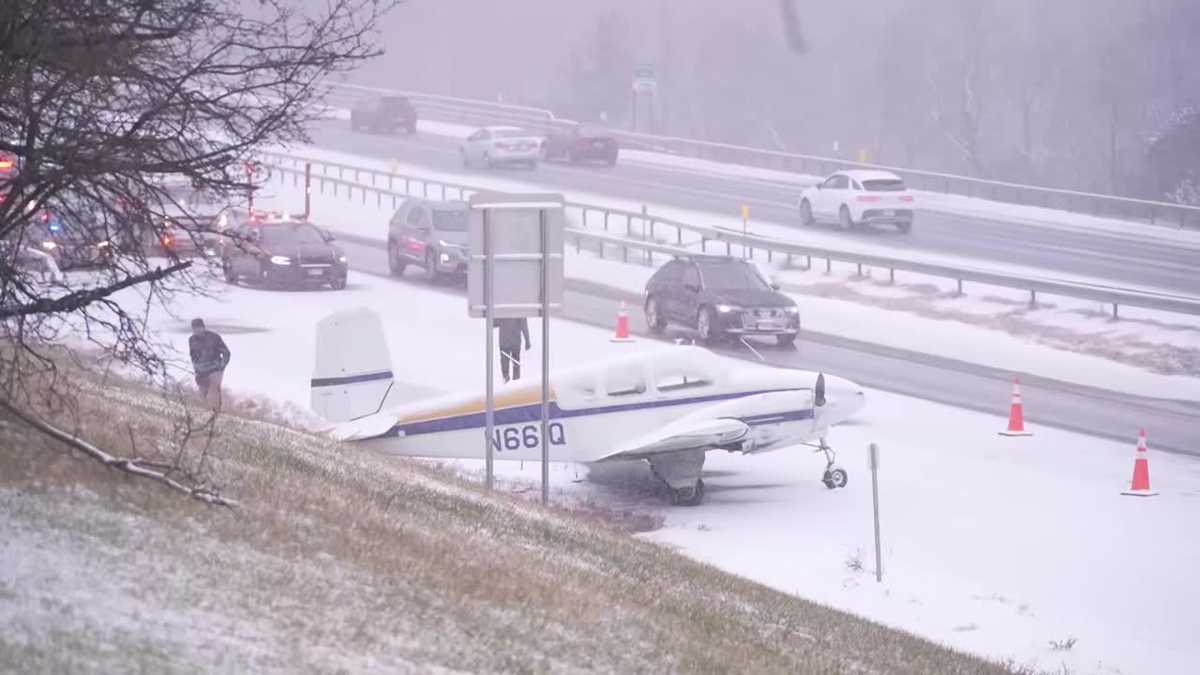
[[667, 406]]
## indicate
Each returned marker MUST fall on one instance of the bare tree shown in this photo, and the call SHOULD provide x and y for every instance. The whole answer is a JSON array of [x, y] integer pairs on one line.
[[106, 106]]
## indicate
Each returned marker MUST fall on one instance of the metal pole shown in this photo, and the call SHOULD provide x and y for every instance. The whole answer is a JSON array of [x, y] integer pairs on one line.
[[307, 189], [874, 450], [489, 302], [545, 233]]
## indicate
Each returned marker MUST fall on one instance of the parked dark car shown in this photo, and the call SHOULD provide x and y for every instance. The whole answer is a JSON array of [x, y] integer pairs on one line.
[[431, 235], [288, 253], [579, 144], [719, 297], [385, 115]]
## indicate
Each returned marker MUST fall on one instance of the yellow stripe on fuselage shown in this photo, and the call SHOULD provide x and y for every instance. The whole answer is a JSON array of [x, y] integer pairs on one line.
[[511, 397]]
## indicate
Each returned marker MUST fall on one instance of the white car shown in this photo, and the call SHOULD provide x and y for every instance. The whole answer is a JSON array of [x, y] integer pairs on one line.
[[853, 198], [494, 146]]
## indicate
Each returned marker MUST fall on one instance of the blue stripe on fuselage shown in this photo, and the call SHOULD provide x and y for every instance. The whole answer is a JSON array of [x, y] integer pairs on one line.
[[533, 412]]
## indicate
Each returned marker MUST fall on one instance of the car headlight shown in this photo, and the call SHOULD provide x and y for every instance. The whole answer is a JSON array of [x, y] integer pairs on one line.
[[444, 258], [280, 260], [725, 309], [793, 310], [341, 258], [49, 245]]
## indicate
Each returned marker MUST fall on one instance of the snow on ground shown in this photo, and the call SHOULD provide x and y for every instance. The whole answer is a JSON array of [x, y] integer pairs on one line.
[[995, 545], [1148, 353], [1166, 229]]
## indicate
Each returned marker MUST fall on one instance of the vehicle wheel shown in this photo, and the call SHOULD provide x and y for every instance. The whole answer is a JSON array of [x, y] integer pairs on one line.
[[835, 478], [227, 268], [904, 228], [261, 277], [689, 496], [338, 283], [705, 325], [806, 215], [654, 317], [785, 340], [844, 218], [431, 273], [396, 264]]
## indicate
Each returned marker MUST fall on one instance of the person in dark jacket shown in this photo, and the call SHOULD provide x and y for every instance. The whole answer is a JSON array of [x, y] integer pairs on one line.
[[511, 333], [209, 358]]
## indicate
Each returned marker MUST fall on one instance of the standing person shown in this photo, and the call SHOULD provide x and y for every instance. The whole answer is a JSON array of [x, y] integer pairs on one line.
[[209, 358], [511, 333]]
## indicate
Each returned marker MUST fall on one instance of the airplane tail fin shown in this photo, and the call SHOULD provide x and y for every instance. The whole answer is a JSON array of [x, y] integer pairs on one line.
[[352, 372]]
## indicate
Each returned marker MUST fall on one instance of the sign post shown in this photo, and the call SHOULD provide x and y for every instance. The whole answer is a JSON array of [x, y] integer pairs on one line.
[[515, 271], [873, 458], [307, 190], [644, 82]]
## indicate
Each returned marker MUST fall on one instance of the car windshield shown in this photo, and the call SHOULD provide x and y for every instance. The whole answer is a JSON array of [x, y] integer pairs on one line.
[[732, 276], [291, 235], [884, 185], [450, 221], [510, 133]]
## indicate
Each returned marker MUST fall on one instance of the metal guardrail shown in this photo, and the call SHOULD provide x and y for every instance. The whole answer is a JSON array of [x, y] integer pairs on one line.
[[598, 224], [1128, 208]]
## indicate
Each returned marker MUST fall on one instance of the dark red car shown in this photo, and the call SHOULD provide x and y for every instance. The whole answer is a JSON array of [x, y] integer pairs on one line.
[[580, 144]]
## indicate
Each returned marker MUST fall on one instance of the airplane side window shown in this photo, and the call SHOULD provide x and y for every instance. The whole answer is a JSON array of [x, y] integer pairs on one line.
[[676, 381], [625, 381]]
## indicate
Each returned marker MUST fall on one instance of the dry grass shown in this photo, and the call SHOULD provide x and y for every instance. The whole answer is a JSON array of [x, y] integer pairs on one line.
[[344, 561]]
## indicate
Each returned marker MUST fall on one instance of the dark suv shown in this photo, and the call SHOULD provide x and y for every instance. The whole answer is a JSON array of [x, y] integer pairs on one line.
[[720, 297], [386, 115], [580, 144], [283, 253], [431, 235]]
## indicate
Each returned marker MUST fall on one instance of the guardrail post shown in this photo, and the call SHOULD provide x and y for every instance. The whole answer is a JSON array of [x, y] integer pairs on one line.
[[959, 293], [678, 236], [391, 188], [769, 252], [425, 189], [628, 225], [652, 230], [606, 215], [583, 216], [393, 201], [443, 192], [892, 275], [624, 253], [341, 173], [1115, 317], [703, 244], [828, 266], [356, 176], [364, 193], [335, 187], [379, 200], [808, 263], [1032, 299], [860, 269], [728, 249], [407, 192]]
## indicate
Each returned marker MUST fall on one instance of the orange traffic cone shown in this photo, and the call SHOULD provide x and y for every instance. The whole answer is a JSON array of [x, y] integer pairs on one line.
[[1140, 485], [622, 332], [1016, 414]]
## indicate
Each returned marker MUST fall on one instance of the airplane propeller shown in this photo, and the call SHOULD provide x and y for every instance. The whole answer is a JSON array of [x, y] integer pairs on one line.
[[819, 391]]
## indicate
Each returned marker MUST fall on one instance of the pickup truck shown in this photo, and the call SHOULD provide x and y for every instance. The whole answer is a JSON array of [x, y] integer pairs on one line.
[[388, 114]]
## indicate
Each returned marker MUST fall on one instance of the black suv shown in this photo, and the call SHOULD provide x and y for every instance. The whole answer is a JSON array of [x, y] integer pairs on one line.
[[720, 297], [386, 115], [283, 253]]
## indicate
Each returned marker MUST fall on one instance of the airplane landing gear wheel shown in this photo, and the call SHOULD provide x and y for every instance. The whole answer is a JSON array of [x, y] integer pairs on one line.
[[688, 496], [835, 478]]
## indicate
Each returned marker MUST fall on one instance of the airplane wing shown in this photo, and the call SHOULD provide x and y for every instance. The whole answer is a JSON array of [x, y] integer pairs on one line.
[[691, 433]]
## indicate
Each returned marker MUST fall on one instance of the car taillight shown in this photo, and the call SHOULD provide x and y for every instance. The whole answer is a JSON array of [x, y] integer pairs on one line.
[[870, 199], [906, 198], [166, 240], [6, 165]]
